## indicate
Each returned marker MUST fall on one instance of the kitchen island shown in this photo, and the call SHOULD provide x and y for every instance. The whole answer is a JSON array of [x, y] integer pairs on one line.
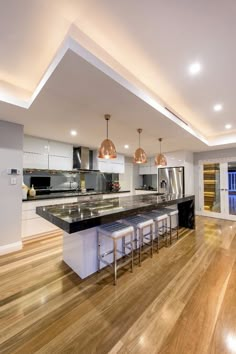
[[35, 226], [79, 221]]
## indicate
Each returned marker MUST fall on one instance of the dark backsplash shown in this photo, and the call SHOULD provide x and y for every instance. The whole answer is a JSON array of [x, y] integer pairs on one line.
[[71, 180], [150, 181]]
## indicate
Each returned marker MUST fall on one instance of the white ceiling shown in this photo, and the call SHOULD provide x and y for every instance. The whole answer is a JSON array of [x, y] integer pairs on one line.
[[77, 96], [150, 44]]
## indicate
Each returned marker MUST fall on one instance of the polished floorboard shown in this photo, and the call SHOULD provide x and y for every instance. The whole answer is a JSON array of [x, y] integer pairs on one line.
[[182, 301]]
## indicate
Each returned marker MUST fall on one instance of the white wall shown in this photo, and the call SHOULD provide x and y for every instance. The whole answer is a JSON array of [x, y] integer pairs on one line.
[[189, 173], [11, 147], [208, 155]]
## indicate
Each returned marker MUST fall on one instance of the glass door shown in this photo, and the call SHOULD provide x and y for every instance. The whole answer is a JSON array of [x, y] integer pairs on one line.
[[218, 189], [211, 187], [231, 190]]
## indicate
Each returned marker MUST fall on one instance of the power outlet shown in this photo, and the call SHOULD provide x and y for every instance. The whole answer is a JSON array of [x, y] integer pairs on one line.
[[13, 181]]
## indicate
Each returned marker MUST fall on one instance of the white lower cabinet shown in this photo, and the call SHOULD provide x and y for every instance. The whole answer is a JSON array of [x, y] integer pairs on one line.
[[139, 192], [32, 224], [35, 227]]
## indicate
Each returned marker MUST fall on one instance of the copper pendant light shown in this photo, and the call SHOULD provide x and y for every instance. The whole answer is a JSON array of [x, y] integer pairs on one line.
[[160, 159], [107, 149], [140, 155]]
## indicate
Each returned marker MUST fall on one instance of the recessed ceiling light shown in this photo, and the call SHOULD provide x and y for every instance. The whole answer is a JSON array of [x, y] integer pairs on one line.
[[126, 146], [73, 132], [194, 68], [228, 126], [217, 107]]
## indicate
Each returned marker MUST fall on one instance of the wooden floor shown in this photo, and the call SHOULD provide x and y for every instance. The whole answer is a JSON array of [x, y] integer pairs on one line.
[[182, 301]]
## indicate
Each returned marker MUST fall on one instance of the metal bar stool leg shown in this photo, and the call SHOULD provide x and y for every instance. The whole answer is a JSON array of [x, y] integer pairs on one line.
[[157, 234], [115, 262], [123, 245], [132, 252], [166, 232], [177, 226], [151, 239], [98, 251], [170, 230], [140, 245]]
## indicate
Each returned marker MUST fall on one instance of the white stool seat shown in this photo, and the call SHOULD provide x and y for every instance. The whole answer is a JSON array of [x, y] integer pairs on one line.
[[155, 216], [138, 221], [158, 218], [172, 213], [115, 229]]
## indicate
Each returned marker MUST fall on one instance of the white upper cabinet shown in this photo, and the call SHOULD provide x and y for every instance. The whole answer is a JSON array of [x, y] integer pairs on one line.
[[60, 149], [153, 167], [174, 159], [109, 166], [44, 154], [145, 168], [35, 160], [117, 167], [35, 145], [59, 163], [103, 166], [120, 159]]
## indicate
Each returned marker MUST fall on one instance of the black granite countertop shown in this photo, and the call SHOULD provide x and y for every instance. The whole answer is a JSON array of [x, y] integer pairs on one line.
[[54, 195], [84, 215]]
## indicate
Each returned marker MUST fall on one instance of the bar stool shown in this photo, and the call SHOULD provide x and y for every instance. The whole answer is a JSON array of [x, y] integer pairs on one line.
[[160, 221], [115, 231], [139, 223], [172, 213]]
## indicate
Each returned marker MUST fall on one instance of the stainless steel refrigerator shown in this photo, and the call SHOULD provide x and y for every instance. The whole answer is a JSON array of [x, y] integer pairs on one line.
[[171, 180]]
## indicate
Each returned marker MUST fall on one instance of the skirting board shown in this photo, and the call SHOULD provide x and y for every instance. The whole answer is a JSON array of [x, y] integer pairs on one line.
[[12, 247]]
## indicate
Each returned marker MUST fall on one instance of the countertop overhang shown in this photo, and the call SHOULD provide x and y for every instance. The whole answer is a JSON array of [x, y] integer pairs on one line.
[[74, 217]]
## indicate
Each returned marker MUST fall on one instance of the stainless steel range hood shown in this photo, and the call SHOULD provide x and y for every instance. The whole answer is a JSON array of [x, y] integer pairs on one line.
[[83, 159]]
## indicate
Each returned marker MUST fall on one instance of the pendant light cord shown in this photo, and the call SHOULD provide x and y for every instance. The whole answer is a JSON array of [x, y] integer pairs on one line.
[[107, 128], [160, 139], [139, 139]]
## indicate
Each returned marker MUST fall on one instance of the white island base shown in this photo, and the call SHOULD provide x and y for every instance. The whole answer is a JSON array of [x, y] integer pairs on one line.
[[80, 251]]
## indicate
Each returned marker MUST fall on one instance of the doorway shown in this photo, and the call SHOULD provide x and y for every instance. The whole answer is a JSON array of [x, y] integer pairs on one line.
[[218, 189]]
